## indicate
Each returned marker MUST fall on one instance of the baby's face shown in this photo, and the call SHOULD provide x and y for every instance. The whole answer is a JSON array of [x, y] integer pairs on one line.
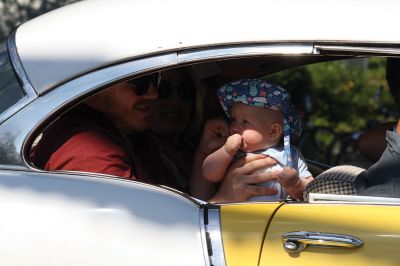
[[255, 125]]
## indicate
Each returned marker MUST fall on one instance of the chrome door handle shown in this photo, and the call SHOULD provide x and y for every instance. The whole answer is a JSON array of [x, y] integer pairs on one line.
[[296, 242]]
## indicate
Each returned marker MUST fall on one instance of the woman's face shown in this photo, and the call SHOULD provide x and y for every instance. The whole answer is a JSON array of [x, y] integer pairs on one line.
[[170, 114]]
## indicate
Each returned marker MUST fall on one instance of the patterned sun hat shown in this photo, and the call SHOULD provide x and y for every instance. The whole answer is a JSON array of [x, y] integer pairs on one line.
[[256, 92]]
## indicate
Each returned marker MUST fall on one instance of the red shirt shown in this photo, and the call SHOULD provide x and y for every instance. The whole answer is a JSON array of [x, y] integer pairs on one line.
[[84, 140]]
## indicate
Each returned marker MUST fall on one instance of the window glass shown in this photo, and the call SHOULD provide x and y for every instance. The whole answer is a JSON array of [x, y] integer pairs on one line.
[[10, 90]]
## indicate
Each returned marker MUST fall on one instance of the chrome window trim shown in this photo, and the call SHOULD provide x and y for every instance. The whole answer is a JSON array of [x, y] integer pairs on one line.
[[210, 221], [18, 68], [91, 82], [354, 49], [244, 51], [203, 237], [20, 74]]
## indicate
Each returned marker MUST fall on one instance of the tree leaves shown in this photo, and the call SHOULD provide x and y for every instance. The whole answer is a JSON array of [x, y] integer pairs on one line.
[[15, 12]]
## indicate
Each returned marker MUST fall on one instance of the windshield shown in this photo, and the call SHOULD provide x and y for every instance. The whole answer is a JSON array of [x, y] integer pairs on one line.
[[10, 90]]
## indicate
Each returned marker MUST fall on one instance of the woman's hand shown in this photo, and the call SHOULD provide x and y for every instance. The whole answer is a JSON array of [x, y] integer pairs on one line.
[[241, 179], [214, 135]]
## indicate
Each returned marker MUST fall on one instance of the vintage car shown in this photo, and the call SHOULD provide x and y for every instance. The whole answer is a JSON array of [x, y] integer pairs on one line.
[[57, 60]]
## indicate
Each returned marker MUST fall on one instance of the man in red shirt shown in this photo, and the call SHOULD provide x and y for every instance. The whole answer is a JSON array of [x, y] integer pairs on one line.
[[92, 137]]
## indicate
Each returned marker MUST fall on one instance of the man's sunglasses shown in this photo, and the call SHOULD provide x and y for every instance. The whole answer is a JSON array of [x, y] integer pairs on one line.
[[142, 84], [185, 90]]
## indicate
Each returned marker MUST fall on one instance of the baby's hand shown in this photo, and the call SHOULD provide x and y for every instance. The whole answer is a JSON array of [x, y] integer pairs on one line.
[[233, 144], [288, 177], [292, 183]]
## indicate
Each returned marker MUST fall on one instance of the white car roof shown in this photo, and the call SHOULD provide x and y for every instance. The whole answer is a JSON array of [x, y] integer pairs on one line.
[[90, 34]]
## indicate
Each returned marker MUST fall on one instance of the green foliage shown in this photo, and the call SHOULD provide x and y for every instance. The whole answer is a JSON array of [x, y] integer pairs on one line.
[[344, 92], [347, 96], [15, 12]]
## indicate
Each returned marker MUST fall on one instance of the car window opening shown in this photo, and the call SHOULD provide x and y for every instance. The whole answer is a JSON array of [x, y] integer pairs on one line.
[[338, 101]]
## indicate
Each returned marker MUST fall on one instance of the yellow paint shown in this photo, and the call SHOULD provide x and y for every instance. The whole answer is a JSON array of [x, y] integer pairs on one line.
[[377, 226], [243, 227]]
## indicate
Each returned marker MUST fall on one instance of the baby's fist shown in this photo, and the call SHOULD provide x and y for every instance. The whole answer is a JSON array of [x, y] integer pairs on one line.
[[233, 144]]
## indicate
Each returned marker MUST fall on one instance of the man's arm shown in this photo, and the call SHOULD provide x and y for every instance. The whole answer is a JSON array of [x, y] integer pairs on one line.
[[372, 143]]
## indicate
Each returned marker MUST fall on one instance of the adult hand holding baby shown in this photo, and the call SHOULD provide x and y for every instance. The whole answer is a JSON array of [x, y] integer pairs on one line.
[[241, 179], [239, 182]]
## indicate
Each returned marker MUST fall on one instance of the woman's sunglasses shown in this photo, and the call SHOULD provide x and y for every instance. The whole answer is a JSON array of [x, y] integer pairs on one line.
[[185, 90], [142, 84]]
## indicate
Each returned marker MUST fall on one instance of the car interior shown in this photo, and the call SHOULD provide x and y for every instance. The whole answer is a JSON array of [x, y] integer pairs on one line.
[[339, 97]]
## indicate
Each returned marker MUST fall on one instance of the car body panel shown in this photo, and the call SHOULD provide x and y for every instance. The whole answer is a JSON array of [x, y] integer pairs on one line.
[[58, 219], [243, 230], [54, 48], [377, 226]]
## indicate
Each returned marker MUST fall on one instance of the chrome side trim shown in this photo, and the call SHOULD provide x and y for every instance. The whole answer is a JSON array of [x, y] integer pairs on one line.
[[296, 242], [356, 50], [213, 238], [27, 88], [248, 50], [174, 191], [203, 234], [318, 198], [162, 188]]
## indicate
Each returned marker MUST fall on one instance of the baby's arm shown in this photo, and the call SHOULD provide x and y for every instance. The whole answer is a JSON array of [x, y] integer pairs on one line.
[[215, 164]]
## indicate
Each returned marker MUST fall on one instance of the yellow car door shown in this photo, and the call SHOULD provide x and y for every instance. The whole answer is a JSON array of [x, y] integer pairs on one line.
[[243, 228], [333, 234]]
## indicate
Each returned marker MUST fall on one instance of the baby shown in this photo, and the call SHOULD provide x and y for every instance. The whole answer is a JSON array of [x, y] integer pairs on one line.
[[261, 113]]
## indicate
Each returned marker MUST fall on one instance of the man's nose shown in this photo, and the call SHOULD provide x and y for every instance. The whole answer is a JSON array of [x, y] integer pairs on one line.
[[151, 93]]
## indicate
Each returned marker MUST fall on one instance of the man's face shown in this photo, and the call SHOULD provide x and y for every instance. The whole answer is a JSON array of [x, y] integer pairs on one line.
[[127, 110]]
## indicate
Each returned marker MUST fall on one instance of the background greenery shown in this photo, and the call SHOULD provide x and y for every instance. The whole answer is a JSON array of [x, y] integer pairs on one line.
[[347, 96], [15, 12]]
